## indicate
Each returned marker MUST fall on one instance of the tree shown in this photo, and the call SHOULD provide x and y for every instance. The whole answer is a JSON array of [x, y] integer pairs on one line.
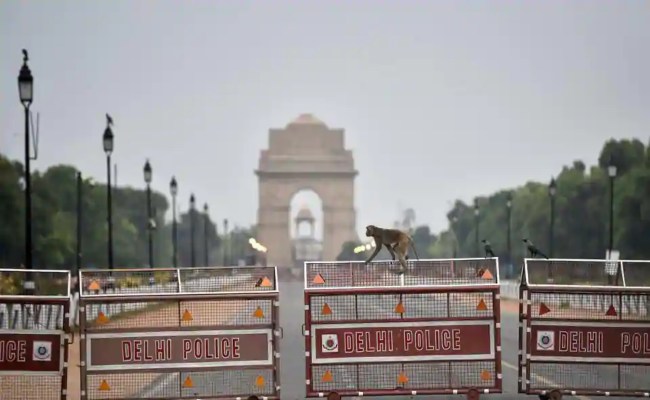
[[185, 240], [422, 240], [54, 224], [11, 214]]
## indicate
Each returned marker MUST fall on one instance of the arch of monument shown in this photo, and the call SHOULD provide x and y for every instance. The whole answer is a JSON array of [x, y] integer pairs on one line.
[[306, 154]]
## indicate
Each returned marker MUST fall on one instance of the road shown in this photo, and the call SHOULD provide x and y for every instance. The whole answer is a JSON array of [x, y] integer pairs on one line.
[[293, 355]]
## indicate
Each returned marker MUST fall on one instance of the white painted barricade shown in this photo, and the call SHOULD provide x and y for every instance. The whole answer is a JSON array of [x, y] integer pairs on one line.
[[34, 334], [209, 332], [433, 330], [584, 324]]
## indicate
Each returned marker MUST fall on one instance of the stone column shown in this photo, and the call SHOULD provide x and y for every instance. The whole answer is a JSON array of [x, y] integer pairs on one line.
[[339, 227], [273, 232]]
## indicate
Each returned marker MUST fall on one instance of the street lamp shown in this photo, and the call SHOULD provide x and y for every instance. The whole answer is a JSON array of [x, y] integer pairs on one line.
[[552, 190], [476, 219], [192, 212], [75, 275], [150, 223], [108, 149], [173, 188], [26, 94], [227, 244], [454, 220], [611, 171], [205, 236], [509, 232]]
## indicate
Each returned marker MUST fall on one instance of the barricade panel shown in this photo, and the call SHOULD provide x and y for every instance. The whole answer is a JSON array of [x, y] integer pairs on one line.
[[590, 339], [373, 332], [34, 327], [637, 272], [216, 337], [444, 272], [573, 272]]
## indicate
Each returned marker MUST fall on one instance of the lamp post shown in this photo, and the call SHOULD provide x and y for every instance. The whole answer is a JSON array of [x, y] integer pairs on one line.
[[476, 219], [205, 236], [79, 221], [611, 171], [192, 212], [150, 222], [173, 188], [509, 229], [79, 232], [509, 233], [108, 149], [26, 94], [227, 244], [454, 220], [552, 190]]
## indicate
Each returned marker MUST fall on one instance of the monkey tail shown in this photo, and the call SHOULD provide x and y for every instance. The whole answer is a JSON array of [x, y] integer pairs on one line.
[[413, 247]]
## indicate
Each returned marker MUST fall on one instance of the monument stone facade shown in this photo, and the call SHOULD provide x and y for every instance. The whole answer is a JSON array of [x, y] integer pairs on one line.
[[306, 154]]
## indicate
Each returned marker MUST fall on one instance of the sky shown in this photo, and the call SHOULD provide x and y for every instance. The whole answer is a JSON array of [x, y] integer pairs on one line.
[[440, 100]]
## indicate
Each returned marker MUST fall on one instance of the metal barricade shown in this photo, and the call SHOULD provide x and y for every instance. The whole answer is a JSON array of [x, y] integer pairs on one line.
[[34, 327], [584, 328], [433, 330], [205, 333]]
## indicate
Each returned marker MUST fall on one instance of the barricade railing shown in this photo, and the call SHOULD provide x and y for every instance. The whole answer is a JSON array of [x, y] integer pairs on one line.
[[206, 333], [584, 328], [34, 334], [123, 283], [433, 330]]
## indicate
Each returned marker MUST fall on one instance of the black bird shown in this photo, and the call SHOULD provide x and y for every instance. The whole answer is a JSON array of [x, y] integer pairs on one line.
[[534, 251], [25, 56], [488, 249], [109, 120]]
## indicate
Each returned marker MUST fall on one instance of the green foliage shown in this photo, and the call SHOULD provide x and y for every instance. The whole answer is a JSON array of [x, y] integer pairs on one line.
[[422, 240], [54, 223], [581, 228]]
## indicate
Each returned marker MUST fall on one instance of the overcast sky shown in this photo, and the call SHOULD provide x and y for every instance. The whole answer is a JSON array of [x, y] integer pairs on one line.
[[439, 99]]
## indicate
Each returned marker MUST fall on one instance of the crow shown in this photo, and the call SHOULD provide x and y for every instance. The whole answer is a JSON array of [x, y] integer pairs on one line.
[[534, 251], [109, 120], [488, 249]]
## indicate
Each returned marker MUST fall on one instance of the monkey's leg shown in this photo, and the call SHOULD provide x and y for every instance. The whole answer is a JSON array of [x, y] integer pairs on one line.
[[402, 262], [401, 249], [373, 254], [390, 250], [395, 249]]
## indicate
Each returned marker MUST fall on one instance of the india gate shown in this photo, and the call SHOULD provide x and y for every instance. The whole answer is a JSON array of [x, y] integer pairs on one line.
[[305, 155]]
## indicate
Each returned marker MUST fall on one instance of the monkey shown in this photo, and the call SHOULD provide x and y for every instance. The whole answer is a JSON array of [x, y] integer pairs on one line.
[[394, 240]]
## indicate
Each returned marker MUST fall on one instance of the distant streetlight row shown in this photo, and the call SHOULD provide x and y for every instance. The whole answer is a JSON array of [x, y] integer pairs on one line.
[[108, 143], [552, 191]]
